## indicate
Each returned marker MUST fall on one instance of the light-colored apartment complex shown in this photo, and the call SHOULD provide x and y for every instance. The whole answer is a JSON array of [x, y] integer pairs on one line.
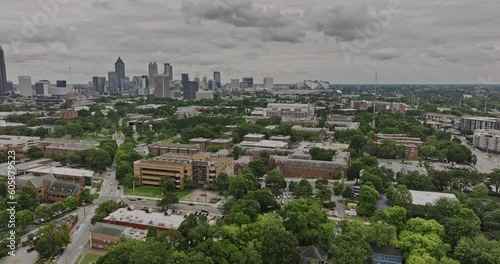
[[487, 140]]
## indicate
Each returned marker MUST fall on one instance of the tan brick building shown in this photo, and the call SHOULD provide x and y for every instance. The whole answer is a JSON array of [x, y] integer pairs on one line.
[[181, 149], [312, 169], [202, 167]]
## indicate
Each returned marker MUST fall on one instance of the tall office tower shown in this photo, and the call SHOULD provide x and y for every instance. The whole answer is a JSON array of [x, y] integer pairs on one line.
[[42, 88], [168, 70], [197, 79], [211, 84], [189, 90], [248, 81], [162, 87], [25, 89], [120, 72], [145, 84], [205, 82], [98, 84], [268, 82], [217, 80], [152, 71], [184, 78], [63, 84], [3, 73], [10, 86], [235, 85], [113, 82]]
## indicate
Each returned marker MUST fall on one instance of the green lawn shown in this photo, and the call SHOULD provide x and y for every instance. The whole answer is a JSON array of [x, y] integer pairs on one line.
[[170, 140], [154, 192], [90, 258]]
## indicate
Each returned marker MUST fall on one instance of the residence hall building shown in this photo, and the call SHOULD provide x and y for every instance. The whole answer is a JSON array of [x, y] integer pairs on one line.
[[411, 144], [78, 176], [221, 143], [57, 146], [301, 166], [201, 167]]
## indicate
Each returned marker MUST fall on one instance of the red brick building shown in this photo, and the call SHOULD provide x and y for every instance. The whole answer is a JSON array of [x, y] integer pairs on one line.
[[411, 144]]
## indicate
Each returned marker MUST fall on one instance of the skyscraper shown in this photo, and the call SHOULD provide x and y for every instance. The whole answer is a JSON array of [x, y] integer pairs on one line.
[[62, 83], [268, 82], [42, 88], [98, 84], [248, 81], [189, 90], [145, 85], [113, 82], [168, 71], [205, 82], [25, 89], [3, 73], [152, 71], [217, 80], [184, 78], [162, 87], [120, 72], [235, 85]]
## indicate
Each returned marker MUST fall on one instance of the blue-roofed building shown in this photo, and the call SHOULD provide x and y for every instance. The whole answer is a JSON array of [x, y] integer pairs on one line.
[[386, 255]]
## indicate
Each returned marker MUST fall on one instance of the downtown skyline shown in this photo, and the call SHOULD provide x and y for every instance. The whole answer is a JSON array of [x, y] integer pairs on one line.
[[425, 42]]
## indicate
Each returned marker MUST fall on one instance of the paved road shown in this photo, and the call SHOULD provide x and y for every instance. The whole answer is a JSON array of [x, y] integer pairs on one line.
[[484, 163]]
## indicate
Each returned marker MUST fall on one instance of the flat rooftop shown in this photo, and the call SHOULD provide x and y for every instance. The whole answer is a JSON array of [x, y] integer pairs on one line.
[[61, 171], [141, 217], [264, 144], [422, 198]]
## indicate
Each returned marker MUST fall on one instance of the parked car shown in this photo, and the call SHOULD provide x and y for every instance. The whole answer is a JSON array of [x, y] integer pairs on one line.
[[31, 249]]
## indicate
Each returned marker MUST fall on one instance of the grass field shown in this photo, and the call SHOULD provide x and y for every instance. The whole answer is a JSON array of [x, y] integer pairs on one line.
[[170, 140], [154, 192], [90, 258]]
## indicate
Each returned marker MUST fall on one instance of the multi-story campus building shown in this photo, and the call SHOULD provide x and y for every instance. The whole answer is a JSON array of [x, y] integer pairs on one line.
[[380, 106], [223, 143], [179, 149], [57, 146], [411, 144], [201, 167], [472, 123], [48, 188], [301, 166]]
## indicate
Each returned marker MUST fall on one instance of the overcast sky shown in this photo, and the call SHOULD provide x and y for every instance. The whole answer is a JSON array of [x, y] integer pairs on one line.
[[425, 41]]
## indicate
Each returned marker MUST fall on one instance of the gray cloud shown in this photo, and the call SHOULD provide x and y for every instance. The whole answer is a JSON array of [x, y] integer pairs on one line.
[[342, 22], [102, 4], [385, 54], [288, 34]]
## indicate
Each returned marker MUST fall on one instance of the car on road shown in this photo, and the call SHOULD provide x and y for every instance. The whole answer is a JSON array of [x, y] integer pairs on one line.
[[132, 199], [31, 249], [143, 200], [191, 204], [118, 188]]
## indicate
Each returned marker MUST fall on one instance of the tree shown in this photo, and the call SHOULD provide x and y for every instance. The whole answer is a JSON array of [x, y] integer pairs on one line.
[[375, 179], [71, 202], [480, 190], [303, 217], [413, 180], [477, 250], [381, 234], [120, 253], [243, 212], [395, 216], [354, 170], [368, 198], [27, 198], [189, 183], [491, 220], [52, 239], [58, 206], [459, 153], [168, 200], [87, 196], [466, 224], [222, 182], [35, 153], [99, 160], [324, 193], [239, 186], [400, 196], [258, 167], [275, 180], [24, 218], [104, 209], [321, 154], [494, 179], [350, 247], [303, 189], [338, 187], [167, 185], [152, 232], [265, 199], [43, 212], [357, 143], [280, 246]]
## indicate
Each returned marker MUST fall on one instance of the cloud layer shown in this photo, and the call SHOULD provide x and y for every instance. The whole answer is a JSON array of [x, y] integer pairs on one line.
[[428, 41]]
